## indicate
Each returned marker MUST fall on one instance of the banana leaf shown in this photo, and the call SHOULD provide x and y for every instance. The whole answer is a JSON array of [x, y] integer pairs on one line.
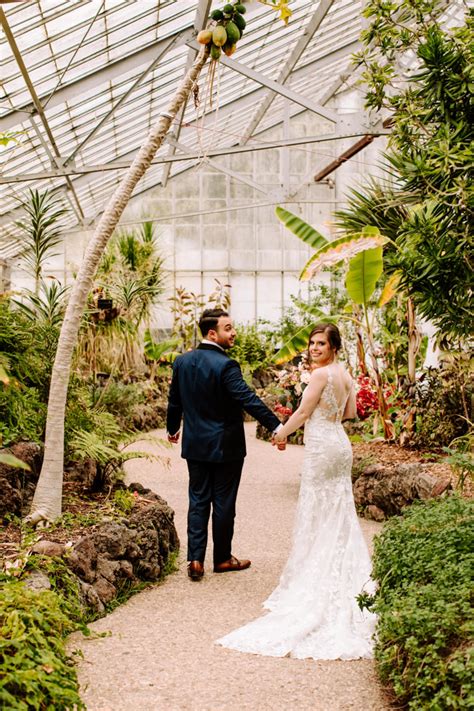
[[11, 461], [390, 289], [157, 351], [297, 343], [345, 247], [301, 229], [310, 309], [4, 375], [364, 271]]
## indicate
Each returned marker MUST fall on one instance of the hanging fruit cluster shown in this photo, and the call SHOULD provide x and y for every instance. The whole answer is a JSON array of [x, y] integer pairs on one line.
[[227, 30]]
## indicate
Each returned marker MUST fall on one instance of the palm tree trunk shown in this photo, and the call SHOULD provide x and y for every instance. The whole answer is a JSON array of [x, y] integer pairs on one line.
[[48, 495]]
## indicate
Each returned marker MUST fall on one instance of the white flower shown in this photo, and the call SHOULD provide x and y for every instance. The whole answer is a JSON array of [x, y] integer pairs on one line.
[[305, 376]]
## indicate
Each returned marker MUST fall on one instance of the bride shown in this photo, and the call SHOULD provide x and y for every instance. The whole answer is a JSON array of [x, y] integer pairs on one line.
[[313, 611]]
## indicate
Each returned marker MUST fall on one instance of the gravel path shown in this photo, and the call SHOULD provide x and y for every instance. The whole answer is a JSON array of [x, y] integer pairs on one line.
[[159, 654]]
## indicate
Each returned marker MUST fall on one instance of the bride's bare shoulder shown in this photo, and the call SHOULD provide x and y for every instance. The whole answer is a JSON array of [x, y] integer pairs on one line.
[[344, 374], [319, 374]]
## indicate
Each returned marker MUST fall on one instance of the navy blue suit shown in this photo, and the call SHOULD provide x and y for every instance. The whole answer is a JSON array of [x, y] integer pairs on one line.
[[209, 393]]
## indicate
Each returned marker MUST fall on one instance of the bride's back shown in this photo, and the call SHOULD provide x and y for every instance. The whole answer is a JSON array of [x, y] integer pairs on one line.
[[335, 394]]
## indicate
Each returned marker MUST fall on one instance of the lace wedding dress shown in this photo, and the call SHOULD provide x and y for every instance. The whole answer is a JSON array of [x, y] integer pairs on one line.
[[313, 611]]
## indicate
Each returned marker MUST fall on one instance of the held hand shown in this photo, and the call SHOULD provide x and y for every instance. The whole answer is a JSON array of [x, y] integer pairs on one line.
[[279, 443], [173, 438]]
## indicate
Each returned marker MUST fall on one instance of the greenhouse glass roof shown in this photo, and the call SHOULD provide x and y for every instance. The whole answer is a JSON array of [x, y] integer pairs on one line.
[[82, 82]]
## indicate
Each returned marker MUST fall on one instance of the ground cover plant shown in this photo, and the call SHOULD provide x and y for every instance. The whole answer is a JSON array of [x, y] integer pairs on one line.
[[37, 672], [423, 564]]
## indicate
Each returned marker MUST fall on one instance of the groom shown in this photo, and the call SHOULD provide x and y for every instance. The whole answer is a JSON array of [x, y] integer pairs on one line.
[[208, 391]]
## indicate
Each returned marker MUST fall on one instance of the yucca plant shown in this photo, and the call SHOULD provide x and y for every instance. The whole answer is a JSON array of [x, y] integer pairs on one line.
[[131, 275], [47, 306], [41, 233]]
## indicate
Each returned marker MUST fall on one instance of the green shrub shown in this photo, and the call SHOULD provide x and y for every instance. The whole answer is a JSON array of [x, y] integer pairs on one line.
[[36, 670], [120, 398], [28, 347], [22, 414], [423, 564], [124, 500], [252, 348], [26, 354], [443, 398]]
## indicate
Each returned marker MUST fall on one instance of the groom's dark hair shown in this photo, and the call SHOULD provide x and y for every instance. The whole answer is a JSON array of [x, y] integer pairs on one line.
[[209, 319]]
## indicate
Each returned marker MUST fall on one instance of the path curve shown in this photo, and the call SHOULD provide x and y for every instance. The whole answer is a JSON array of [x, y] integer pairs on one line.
[[160, 655]]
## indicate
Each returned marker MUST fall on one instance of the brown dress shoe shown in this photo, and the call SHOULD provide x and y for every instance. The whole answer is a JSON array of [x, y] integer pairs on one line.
[[195, 570], [232, 564]]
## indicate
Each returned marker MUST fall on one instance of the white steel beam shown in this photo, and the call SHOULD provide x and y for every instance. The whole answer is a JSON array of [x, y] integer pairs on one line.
[[100, 77], [217, 166], [37, 103], [244, 101], [123, 163], [200, 21], [273, 85], [239, 104], [202, 14], [174, 40], [313, 25]]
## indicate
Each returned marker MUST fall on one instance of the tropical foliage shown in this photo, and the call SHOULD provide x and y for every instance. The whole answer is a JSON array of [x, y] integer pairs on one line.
[[25, 351], [129, 283], [40, 230], [37, 671], [423, 566], [430, 153], [362, 251]]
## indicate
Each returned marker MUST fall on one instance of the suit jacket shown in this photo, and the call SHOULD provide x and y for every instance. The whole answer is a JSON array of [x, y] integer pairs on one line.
[[209, 392]]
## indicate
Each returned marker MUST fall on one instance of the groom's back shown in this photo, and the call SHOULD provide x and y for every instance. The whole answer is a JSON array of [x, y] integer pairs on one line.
[[213, 423]]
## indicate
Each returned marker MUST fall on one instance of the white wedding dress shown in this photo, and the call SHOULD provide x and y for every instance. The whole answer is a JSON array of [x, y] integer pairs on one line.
[[313, 611]]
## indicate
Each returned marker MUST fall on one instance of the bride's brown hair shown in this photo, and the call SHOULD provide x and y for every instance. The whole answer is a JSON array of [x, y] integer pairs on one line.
[[331, 331]]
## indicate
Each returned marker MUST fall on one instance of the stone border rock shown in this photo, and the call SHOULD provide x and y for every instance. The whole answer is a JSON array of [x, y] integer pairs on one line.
[[118, 555], [382, 491]]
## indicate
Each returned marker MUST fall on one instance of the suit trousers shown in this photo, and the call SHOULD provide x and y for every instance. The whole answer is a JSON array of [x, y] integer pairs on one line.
[[212, 484]]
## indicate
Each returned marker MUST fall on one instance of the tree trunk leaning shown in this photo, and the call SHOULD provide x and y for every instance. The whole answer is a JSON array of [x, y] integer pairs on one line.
[[46, 504]]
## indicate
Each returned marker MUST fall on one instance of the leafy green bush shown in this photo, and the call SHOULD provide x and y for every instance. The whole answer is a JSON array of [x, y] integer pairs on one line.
[[22, 414], [36, 670], [120, 398], [252, 348], [424, 564], [443, 400], [322, 300], [27, 348], [26, 353], [124, 500]]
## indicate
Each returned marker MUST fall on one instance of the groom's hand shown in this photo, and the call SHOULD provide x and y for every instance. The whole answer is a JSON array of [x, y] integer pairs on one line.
[[173, 438]]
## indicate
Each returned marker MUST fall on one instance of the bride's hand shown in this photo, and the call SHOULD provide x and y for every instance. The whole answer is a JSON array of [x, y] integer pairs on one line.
[[279, 442]]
